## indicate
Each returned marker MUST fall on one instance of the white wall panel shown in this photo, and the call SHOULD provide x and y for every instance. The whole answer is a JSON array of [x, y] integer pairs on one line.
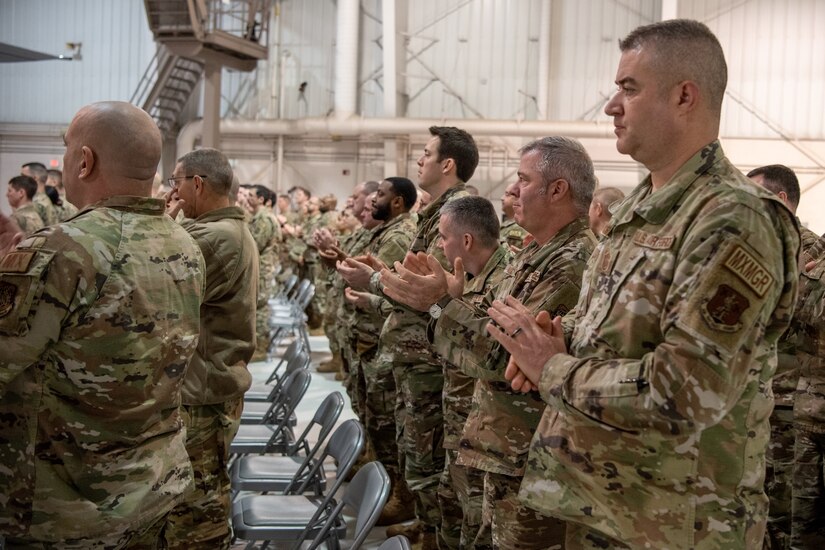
[[775, 64], [117, 47]]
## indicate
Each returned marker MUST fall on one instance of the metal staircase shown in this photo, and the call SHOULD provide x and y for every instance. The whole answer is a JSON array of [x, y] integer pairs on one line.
[[190, 34]]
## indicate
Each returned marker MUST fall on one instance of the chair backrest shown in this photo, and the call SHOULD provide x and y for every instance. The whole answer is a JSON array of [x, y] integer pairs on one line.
[[299, 290], [300, 360], [289, 354], [294, 388], [325, 417], [345, 445], [398, 542], [366, 494], [303, 300]]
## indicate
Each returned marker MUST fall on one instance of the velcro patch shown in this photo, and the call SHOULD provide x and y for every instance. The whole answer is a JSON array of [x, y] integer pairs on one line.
[[724, 309], [32, 242], [604, 262], [8, 292], [656, 242], [749, 270], [17, 261]]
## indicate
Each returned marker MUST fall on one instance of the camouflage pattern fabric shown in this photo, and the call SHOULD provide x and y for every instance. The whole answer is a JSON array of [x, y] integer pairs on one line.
[[419, 377], [389, 243], [497, 433], [460, 497], [99, 317], [43, 205], [28, 219], [217, 372], [461, 488], [65, 210], [202, 521], [217, 377], [149, 538], [657, 421], [512, 234], [779, 457], [266, 233], [808, 502]]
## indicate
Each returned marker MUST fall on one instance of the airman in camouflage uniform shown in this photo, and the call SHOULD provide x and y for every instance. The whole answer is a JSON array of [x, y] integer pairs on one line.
[[808, 333], [372, 381], [19, 193], [657, 419], [42, 203], [782, 182], [599, 213], [217, 377], [545, 275], [469, 233], [450, 158], [512, 234], [98, 321], [267, 234]]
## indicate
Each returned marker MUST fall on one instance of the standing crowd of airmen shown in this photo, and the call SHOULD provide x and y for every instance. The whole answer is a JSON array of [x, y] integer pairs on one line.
[[594, 372]]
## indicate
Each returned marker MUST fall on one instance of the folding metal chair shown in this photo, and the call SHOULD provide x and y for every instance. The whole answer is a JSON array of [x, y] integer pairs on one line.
[[267, 392], [298, 455], [286, 517]]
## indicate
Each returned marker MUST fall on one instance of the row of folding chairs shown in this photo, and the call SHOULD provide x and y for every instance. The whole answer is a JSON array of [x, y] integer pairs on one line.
[[295, 502]]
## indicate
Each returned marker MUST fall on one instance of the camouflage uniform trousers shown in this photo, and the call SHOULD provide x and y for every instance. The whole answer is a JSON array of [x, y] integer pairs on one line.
[[808, 504], [511, 524], [380, 401], [262, 328], [420, 418], [779, 478], [149, 538], [357, 353], [460, 496], [202, 520], [580, 537]]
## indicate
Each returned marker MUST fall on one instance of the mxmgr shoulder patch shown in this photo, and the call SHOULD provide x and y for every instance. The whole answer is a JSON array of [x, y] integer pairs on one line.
[[748, 268]]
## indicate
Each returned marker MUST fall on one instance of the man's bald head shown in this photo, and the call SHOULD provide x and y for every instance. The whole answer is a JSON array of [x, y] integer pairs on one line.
[[115, 144]]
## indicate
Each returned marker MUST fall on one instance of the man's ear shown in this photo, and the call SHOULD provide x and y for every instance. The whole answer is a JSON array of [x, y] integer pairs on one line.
[[447, 165], [87, 164], [467, 240], [688, 95], [560, 189]]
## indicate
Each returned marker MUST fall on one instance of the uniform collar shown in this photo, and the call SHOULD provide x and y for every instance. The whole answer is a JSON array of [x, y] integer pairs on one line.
[[657, 207]]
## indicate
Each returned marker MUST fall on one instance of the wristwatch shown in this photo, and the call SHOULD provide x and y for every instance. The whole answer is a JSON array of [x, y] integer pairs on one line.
[[438, 308]]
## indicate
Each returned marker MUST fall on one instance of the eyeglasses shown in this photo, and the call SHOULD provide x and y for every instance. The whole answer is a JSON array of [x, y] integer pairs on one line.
[[173, 182]]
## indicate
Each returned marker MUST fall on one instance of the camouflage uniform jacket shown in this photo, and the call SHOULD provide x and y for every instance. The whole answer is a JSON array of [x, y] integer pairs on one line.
[[512, 234], [657, 423], [808, 327], [788, 366], [217, 372], [99, 317], [497, 433], [28, 219], [45, 208], [458, 386], [65, 210], [266, 231], [404, 335], [389, 243], [353, 245]]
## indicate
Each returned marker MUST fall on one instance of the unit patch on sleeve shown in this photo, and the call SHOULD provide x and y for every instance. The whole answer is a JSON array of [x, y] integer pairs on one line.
[[724, 309], [8, 292]]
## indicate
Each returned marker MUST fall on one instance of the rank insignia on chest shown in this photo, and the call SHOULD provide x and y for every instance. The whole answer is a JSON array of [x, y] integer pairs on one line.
[[604, 261], [8, 292], [724, 309]]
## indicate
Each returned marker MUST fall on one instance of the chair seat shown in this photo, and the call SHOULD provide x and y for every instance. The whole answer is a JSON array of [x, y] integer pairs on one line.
[[270, 474], [277, 517], [254, 411], [259, 392], [257, 438]]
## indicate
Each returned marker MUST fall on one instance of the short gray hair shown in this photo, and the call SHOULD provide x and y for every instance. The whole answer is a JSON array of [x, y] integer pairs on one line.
[[565, 158], [210, 163], [474, 215]]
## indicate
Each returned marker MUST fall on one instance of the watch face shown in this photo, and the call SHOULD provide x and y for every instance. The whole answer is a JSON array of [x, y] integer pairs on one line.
[[435, 311]]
